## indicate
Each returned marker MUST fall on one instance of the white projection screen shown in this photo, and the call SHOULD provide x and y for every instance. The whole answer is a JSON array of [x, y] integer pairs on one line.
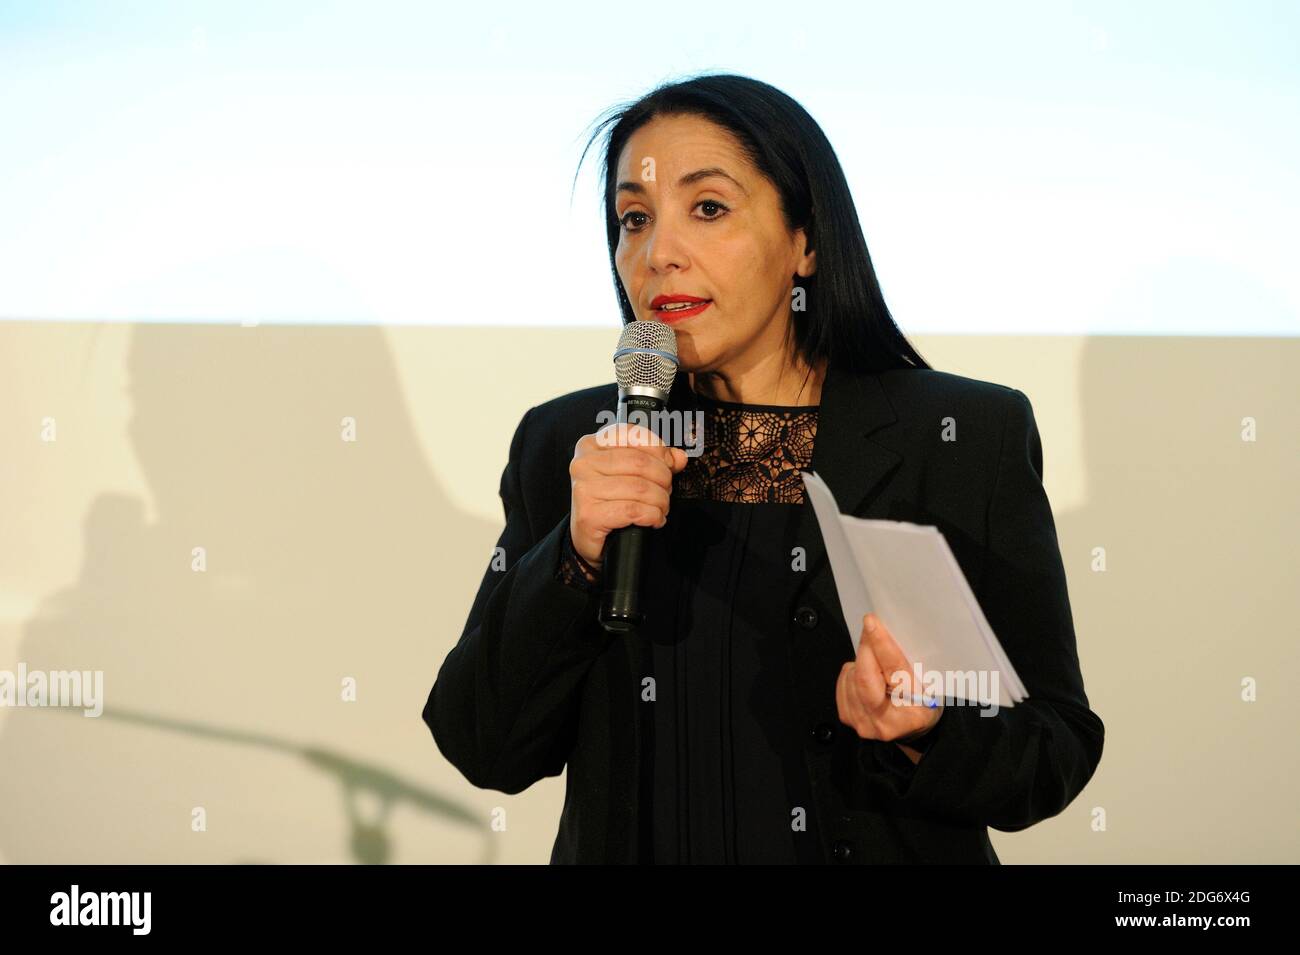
[[1105, 168]]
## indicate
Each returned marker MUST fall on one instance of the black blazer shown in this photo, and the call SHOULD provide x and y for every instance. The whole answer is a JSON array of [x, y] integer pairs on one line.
[[535, 684]]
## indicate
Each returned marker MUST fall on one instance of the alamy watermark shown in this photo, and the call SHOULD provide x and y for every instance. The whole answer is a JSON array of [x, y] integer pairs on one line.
[[76, 907], [678, 429], [964, 687], [71, 688]]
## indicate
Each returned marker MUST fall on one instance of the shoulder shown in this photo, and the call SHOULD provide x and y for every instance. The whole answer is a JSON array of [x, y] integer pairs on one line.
[[583, 404], [555, 425], [952, 424], [926, 390], [543, 446], [922, 397]]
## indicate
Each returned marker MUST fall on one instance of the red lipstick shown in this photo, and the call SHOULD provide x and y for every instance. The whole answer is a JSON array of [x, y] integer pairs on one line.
[[679, 307]]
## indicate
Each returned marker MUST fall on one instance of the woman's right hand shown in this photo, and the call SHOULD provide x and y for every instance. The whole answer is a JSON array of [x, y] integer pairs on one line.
[[621, 475]]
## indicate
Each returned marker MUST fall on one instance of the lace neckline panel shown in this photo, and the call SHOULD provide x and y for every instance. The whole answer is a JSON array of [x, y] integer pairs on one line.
[[752, 454]]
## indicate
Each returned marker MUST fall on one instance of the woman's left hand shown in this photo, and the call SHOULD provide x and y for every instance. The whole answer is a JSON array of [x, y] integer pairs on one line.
[[863, 691]]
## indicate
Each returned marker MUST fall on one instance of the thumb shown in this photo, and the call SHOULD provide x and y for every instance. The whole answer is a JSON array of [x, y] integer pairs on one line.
[[677, 459]]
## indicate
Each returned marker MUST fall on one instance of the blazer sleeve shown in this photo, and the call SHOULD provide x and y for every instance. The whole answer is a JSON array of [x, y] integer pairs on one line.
[[1029, 761], [503, 708]]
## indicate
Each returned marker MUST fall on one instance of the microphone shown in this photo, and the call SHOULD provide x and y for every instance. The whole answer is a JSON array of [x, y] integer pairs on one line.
[[645, 364]]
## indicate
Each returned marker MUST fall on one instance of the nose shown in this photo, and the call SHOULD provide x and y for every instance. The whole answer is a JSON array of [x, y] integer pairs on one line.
[[664, 249]]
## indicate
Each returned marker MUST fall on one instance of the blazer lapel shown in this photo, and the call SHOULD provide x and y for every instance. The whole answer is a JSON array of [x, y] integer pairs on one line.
[[853, 406], [855, 468]]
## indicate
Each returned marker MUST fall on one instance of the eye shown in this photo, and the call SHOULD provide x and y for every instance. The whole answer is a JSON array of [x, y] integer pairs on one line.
[[712, 202], [626, 217], [702, 202]]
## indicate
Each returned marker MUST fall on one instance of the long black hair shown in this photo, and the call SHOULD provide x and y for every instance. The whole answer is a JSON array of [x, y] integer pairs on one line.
[[845, 320]]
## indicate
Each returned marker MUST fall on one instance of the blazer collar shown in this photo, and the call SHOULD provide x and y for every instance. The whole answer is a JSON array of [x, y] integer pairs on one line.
[[853, 406]]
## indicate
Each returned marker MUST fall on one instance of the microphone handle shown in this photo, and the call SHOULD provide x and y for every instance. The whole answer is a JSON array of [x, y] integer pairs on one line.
[[620, 601]]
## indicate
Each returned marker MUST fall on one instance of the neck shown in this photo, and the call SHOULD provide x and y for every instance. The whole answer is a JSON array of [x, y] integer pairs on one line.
[[776, 380]]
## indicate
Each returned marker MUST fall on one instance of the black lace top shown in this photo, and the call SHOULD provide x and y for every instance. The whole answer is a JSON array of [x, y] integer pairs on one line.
[[751, 454]]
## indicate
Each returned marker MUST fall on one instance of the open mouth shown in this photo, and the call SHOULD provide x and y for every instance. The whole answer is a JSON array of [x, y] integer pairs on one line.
[[674, 311]]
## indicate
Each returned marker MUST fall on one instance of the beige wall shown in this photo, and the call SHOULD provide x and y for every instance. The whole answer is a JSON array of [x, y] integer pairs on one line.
[[329, 559]]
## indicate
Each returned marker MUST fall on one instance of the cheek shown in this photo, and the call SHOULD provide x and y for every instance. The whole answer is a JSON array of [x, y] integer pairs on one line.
[[747, 255], [766, 268], [733, 269], [624, 273]]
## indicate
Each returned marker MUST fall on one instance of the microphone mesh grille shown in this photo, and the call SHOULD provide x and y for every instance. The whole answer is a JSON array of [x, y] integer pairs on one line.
[[646, 356]]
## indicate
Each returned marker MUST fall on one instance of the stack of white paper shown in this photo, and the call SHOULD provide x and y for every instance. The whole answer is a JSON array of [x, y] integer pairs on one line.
[[906, 574]]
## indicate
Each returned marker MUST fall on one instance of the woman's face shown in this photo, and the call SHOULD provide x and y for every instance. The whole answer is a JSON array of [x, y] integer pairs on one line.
[[697, 219]]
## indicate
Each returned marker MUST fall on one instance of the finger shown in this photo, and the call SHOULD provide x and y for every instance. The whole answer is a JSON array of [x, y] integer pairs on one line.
[[886, 649], [614, 435], [642, 438], [603, 516], [911, 720], [869, 676], [648, 440], [670, 459], [611, 515], [626, 488], [849, 703], [637, 461], [844, 702], [626, 434], [895, 668]]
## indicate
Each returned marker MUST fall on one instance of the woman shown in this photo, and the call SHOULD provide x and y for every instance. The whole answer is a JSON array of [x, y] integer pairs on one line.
[[738, 724]]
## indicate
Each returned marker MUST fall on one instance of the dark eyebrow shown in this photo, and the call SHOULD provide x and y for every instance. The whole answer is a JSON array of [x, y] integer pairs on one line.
[[686, 180]]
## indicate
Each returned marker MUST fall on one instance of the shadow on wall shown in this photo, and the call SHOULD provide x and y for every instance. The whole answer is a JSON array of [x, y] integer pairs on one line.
[[329, 560], [325, 561], [1178, 566]]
